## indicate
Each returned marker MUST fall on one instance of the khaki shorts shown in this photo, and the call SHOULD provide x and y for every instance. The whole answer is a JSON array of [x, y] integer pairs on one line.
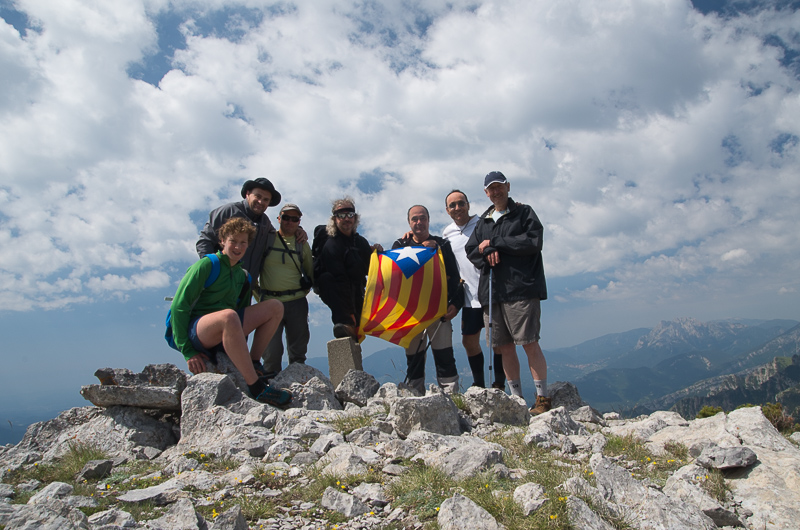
[[518, 322]]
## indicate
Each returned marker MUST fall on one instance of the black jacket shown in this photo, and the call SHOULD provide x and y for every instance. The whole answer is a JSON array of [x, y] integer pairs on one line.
[[346, 258], [455, 292], [517, 236]]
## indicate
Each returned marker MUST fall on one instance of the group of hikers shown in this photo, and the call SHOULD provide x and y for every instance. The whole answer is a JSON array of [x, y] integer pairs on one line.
[[493, 264]]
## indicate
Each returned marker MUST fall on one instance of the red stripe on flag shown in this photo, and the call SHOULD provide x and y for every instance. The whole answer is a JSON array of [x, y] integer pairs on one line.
[[434, 301], [413, 291], [377, 314], [433, 306]]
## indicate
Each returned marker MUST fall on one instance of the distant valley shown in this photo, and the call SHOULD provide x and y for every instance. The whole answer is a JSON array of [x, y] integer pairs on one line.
[[683, 363]]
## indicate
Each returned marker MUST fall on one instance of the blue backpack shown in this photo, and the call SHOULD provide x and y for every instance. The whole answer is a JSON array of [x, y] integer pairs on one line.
[[209, 281]]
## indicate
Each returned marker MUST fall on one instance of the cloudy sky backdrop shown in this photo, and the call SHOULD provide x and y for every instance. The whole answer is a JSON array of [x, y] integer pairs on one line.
[[657, 141]]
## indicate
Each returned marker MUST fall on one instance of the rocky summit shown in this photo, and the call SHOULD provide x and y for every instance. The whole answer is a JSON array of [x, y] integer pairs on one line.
[[161, 450]]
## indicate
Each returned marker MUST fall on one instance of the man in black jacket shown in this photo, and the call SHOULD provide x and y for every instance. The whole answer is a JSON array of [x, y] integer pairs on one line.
[[340, 269], [440, 333], [508, 241]]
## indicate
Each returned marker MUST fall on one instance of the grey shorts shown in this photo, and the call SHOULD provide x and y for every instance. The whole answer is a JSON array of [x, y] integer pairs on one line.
[[518, 322]]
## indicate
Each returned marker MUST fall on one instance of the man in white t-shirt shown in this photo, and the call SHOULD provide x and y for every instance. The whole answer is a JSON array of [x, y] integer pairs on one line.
[[458, 233]]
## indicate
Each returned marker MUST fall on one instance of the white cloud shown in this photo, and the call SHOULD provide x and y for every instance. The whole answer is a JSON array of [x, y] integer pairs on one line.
[[112, 282], [642, 133]]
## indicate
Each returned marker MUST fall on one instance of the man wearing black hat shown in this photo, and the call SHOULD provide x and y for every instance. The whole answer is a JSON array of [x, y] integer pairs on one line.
[[508, 242], [258, 194]]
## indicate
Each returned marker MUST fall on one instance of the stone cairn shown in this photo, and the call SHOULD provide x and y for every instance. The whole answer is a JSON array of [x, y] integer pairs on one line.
[[161, 415]]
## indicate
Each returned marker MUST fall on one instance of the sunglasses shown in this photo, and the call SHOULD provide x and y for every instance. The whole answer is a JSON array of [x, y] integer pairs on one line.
[[292, 218], [345, 215], [457, 204]]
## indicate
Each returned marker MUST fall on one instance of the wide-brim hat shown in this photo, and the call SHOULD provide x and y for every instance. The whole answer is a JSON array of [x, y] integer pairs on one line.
[[264, 184]]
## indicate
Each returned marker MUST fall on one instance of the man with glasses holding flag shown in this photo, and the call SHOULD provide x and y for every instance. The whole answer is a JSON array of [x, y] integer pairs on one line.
[[440, 333]]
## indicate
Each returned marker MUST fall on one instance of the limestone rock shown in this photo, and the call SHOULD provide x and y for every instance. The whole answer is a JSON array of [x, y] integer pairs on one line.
[[112, 517], [315, 394], [325, 442], [180, 516], [54, 490], [560, 422], [695, 435], [715, 457], [300, 374], [646, 508], [565, 394], [344, 503], [581, 516], [434, 413], [461, 457], [684, 486], [302, 428], [391, 392], [213, 417], [167, 375], [231, 519], [357, 387], [541, 434], [95, 469], [770, 489], [169, 491], [6, 491], [494, 405], [117, 431], [146, 397], [587, 414], [530, 496], [643, 430], [371, 494], [459, 512], [49, 514]]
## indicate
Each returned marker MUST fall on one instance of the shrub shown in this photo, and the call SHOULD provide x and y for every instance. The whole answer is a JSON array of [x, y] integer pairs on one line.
[[708, 411], [778, 418]]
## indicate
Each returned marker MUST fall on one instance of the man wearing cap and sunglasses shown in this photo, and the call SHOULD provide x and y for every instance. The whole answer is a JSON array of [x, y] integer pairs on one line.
[[258, 194], [287, 275], [341, 263], [508, 242]]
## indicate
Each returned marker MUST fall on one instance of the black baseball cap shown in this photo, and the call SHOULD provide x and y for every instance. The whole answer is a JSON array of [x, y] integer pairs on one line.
[[494, 176]]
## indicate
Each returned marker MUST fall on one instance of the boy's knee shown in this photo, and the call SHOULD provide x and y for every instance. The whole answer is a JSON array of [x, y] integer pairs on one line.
[[272, 308], [276, 308], [230, 316]]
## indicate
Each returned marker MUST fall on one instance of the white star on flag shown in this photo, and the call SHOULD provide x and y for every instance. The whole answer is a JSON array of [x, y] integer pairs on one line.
[[408, 253]]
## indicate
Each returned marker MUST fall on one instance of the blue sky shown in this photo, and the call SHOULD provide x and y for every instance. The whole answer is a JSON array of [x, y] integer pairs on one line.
[[657, 141]]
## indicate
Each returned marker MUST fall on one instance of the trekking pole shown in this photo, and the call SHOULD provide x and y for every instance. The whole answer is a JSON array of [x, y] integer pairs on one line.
[[489, 330], [428, 341]]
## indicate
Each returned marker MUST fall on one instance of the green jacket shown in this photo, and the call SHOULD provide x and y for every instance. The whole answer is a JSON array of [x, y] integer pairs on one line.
[[192, 300]]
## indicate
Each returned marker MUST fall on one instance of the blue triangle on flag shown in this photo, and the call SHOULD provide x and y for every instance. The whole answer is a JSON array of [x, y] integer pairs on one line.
[[410, 259]]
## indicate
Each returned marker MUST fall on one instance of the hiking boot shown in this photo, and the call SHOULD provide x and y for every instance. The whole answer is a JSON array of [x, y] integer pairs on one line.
[[543, 404], [342, 331], [501, 386], [274, 396], [259, 368]]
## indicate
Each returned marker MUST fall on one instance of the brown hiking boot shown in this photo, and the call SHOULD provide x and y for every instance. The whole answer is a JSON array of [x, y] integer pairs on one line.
[[342, 331], [543, 404]]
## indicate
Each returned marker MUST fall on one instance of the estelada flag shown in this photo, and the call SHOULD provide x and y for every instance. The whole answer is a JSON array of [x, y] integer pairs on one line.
[[406, 292]]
